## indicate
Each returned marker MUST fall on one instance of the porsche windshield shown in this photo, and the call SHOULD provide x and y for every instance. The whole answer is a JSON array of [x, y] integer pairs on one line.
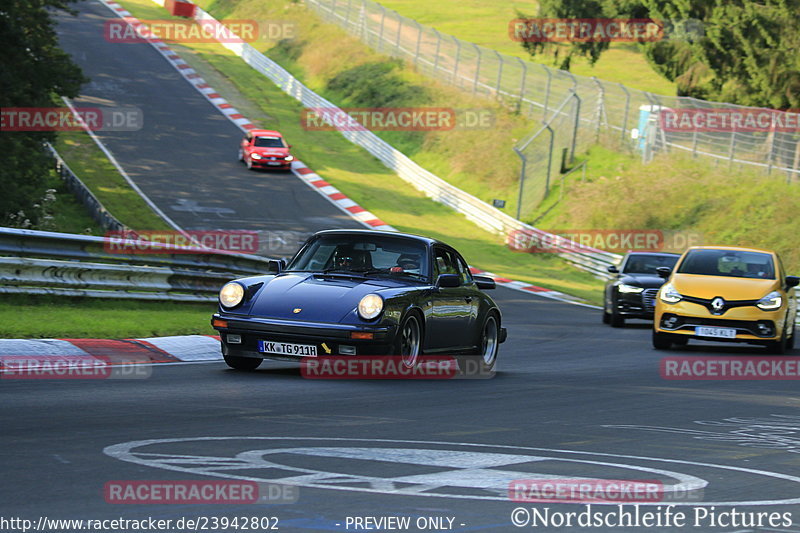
[[730, 263], [395, 256]]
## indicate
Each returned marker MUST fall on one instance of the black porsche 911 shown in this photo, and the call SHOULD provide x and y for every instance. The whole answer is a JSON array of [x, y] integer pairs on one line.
[[631, 292], [361, 292]]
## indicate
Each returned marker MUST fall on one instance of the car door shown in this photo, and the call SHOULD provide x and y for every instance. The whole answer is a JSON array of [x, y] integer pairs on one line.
[[451, 308]]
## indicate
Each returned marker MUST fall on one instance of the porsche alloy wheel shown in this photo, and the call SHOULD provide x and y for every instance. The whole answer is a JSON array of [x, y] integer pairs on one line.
[[489, 342], [410, 341]]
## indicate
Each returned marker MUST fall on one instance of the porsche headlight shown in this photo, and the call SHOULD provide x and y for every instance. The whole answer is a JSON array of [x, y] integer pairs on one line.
[[669, 295], [231, 294], [771, 301], [255, 156], [370, 306], [622, 287]]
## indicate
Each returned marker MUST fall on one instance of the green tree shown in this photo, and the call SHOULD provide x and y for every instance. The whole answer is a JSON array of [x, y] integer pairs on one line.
[[738, 51], [33, 72]]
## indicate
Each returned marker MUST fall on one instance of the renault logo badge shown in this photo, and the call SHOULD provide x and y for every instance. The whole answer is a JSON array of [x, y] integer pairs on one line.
[[717, 304], [296, 310]]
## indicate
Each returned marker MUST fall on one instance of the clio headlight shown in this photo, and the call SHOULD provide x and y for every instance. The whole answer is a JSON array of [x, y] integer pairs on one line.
[[669, 295], [771, 301], [370, 306], [231, 294]]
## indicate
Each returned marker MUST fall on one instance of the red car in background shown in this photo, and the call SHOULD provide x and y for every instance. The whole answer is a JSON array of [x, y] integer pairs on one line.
[[265, 149]]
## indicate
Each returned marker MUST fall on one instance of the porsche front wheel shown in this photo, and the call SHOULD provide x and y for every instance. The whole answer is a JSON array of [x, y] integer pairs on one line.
[[409, 341]]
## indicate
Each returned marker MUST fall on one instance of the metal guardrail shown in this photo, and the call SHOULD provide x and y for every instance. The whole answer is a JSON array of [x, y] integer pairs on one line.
[[43, 276], [43, 262]]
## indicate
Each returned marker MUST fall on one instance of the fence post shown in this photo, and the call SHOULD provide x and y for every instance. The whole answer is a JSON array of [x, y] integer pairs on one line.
[[499, 72], [362, 15], [380, 34], [438, 46], [575, 125], [521, 181], [347, 14], [627, 110], [458, 58], [731, 148], [477, 68], [522, 84], [399, 34], [600, 102], [550, 160], [547, 91], [419, 42], [771, 139]]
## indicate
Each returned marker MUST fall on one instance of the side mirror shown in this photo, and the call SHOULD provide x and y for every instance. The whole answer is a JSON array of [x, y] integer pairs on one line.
[[664, 272], [792, 281], [448, 281], [276, 266], [484, 283], [613, 269]]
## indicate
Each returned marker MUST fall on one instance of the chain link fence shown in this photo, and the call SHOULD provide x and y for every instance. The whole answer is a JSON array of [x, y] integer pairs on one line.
[[572, 112]]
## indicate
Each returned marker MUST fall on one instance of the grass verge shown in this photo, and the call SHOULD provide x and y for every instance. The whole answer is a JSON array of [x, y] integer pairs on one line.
[[42, 316], [94, 169]]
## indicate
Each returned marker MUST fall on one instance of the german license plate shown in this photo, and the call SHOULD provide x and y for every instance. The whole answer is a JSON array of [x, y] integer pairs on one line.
[[720, 333], [276, 163], [286, 348]]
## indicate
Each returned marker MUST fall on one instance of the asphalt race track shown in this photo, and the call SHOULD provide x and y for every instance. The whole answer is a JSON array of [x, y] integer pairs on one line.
[[184, 158], [572, 399]]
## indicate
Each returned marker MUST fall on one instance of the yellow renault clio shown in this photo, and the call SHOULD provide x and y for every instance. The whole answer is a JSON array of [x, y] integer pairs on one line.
[[726, 294]]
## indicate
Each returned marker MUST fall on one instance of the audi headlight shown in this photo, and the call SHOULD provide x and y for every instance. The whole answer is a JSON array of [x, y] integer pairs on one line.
[[771, 301], [370, 306], [622, 287], [231, 294], [669, 295], [255, 156]]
